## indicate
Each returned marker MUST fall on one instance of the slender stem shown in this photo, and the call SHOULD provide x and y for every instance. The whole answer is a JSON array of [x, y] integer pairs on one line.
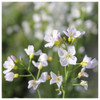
[[24, 75], [65, 72], [38, 74], [63, 91], [75, 84], [29, 64], [38, 92]]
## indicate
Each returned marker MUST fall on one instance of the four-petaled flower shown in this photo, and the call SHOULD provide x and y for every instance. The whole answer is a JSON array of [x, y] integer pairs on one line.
[[72, 33], [56, 79], [67, 57], [33, 83], [53, 40], [88, 63], [9, 65]]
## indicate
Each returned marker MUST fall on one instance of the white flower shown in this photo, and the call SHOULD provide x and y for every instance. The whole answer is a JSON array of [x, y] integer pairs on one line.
[[10, 76], [42, 61], [72, 33], [30, 51], [88, 63], [9, 65], [43, 77], [84, 84], [56, 79], [82, 73], [33, 84], [59, 91], [52, 39], [67, 57]]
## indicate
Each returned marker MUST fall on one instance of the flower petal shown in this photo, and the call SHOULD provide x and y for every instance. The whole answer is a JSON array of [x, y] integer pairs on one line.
[[36, 64], [39, 52], [63, 61], [71, 50], [72, 60], [49, 45], [86, 59]]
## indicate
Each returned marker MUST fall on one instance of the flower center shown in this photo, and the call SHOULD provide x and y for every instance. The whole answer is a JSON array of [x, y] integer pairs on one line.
[[34, 83], [11, 66], [68, 56], [80, 74], [57, 79], [83, 63]]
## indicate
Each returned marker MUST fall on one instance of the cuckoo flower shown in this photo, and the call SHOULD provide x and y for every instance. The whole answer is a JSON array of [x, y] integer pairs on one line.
[[53, 40], [30, 51], [72, 33], [84, 84], [67, 57], [88, 63], [9, 65], [56, 79], [10, 76], [82, 73], [42, 61], [33, 83]]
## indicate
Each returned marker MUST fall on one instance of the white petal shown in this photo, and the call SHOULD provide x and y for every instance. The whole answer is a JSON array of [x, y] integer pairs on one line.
[[27, 52], [60, 92], [52, 81], [63, 61], [44, 63], [48, 38], [37, 84], [43, 57], [53, 75], [85, 74], [62, 52], [49, 45], [86, 59], [36, 64], [43, 77], [55, 33], [83, 69], [39, 52], [6, 71], [71, 50], [9, 76], [72, 60], [77, 34], [66, 33]]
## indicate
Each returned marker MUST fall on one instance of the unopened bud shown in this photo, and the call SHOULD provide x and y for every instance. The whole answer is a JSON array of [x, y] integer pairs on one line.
[[21, 59], [16, 75], [14, 59], [15, 67], [50, 58]]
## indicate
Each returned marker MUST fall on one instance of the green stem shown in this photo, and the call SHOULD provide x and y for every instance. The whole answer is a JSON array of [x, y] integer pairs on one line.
[[75, 84], [29, 64], [24, 75], [63, 92], [38, 74], [38, 92]]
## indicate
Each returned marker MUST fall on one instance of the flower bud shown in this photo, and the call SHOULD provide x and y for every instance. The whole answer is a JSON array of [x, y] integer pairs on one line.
[[16, 75], [15, 67], [31, 56], [21, 59], [40, 67], [14, 59], [50, 58]]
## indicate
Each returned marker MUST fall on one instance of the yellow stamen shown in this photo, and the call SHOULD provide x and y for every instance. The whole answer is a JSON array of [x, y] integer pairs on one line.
[[57, 79], [48, 78], [83, 63], [40, 66], [34, 83], [68, 56]]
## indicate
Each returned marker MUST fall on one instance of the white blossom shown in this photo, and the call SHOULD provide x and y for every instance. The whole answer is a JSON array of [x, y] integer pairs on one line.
[[88, 63], [67, 57], [9, 65], [56, 79]]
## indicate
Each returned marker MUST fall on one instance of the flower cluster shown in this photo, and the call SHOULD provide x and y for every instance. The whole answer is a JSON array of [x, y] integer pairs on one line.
[[67, 58]]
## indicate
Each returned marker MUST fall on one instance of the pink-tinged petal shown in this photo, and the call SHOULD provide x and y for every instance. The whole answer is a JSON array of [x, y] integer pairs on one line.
[[52, 81], [85, 74], [27, 52], [39, 52], [71, 50], [72, 60], [63, 61], [86, 59], [66, 33]]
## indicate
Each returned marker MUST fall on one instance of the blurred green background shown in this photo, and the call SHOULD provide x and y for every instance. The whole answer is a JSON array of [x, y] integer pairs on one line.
[[25, 23]]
